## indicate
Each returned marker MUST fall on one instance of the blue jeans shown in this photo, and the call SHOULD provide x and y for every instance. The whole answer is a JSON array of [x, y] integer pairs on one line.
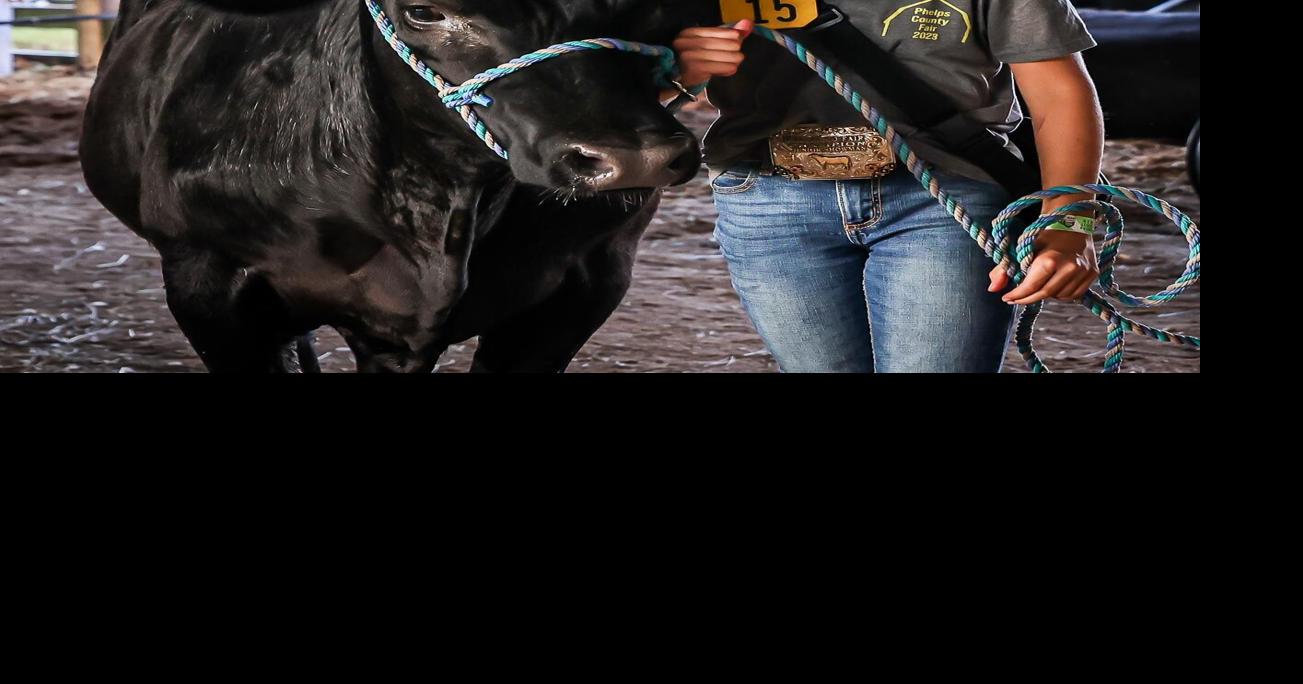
[[863, 276]]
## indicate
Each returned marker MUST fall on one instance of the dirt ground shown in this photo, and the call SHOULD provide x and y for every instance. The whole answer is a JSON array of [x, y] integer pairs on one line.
[[81, 293]]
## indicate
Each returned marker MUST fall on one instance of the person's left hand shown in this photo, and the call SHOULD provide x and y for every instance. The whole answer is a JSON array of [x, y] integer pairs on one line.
[[1064, 268]]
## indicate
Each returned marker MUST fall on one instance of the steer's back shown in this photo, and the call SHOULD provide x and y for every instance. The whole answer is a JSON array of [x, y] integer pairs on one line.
[[213, 124]]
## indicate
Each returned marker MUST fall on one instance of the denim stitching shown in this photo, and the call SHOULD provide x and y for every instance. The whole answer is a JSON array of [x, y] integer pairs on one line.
[[753, 177], [876, 212], [843, 205], [868, 309]]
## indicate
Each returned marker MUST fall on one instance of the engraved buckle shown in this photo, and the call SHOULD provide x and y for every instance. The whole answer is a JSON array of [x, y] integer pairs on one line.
[[831, 153]]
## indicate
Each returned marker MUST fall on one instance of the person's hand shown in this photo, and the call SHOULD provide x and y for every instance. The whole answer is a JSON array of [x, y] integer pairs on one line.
[[1064, 268], [705, 53]]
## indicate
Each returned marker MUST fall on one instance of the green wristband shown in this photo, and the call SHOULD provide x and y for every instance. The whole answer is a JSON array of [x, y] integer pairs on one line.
[[1074, 224]]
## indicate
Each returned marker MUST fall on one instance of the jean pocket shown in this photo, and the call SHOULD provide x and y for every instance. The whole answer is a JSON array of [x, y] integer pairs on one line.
[[735, 181]]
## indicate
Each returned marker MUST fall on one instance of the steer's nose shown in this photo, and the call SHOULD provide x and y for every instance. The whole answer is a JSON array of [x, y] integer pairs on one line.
[[673, 161]]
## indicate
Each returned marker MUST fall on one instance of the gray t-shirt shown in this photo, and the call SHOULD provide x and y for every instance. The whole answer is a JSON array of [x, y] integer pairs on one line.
[[960, 47]]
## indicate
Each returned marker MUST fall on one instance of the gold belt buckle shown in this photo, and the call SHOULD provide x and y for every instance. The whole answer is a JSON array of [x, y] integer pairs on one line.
[[831, 153]]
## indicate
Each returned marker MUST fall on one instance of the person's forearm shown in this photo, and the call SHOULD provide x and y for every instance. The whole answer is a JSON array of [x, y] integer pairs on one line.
[[1070, 141], [1069, 125]]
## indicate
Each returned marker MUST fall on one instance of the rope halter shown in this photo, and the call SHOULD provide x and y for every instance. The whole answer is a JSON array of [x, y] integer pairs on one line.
[[462, 97]]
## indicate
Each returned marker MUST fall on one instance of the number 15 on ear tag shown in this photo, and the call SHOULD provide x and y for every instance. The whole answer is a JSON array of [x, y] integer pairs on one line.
[[774, 14]]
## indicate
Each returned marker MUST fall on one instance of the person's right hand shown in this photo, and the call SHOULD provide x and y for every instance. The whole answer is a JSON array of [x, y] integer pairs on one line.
[[705, 53]]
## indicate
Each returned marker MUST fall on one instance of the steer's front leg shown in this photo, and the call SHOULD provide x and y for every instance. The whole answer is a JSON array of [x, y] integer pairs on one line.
[[546, 337]]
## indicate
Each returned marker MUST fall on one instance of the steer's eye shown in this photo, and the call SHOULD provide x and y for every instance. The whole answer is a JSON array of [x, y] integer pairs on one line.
[[422, 16]]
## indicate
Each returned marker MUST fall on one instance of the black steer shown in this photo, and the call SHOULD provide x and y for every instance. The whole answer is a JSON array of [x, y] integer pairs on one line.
[[293, 172]]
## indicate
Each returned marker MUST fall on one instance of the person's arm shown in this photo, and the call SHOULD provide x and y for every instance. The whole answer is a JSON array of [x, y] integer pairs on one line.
[[1069, 125], [707, 52]]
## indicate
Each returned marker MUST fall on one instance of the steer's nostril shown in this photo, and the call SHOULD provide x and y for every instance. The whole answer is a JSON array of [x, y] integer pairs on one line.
[[587, 164], [599, 167]]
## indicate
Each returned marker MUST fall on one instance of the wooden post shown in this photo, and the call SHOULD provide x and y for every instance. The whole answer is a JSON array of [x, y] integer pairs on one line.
[[90, 35], [6, 40]]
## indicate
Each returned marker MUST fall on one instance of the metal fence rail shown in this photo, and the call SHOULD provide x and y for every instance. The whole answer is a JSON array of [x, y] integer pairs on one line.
[[32, 21], [88, 17]]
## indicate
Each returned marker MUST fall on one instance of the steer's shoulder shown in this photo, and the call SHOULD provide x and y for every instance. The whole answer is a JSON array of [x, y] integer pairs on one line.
[[261, 122]]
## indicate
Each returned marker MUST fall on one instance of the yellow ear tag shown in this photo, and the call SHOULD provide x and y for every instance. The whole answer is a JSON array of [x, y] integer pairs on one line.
[[774, 14]]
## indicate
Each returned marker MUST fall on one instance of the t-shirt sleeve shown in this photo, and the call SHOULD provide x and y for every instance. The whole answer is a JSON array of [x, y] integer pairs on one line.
[[1035, 30]]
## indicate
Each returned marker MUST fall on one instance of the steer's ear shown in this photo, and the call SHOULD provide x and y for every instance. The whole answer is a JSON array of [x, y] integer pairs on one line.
[[666, 18], [259, 6]]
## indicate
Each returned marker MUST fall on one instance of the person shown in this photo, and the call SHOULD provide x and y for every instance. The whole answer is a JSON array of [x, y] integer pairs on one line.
[[874, 275]]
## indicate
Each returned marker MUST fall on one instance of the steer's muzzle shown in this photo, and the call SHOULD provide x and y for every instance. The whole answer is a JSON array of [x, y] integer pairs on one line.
[[594, 167]]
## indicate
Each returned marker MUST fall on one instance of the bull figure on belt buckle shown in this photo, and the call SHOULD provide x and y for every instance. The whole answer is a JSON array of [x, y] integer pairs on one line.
[[831, 153]]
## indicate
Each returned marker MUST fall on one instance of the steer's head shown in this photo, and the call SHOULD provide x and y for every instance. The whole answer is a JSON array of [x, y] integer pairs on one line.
[[583, 123]]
